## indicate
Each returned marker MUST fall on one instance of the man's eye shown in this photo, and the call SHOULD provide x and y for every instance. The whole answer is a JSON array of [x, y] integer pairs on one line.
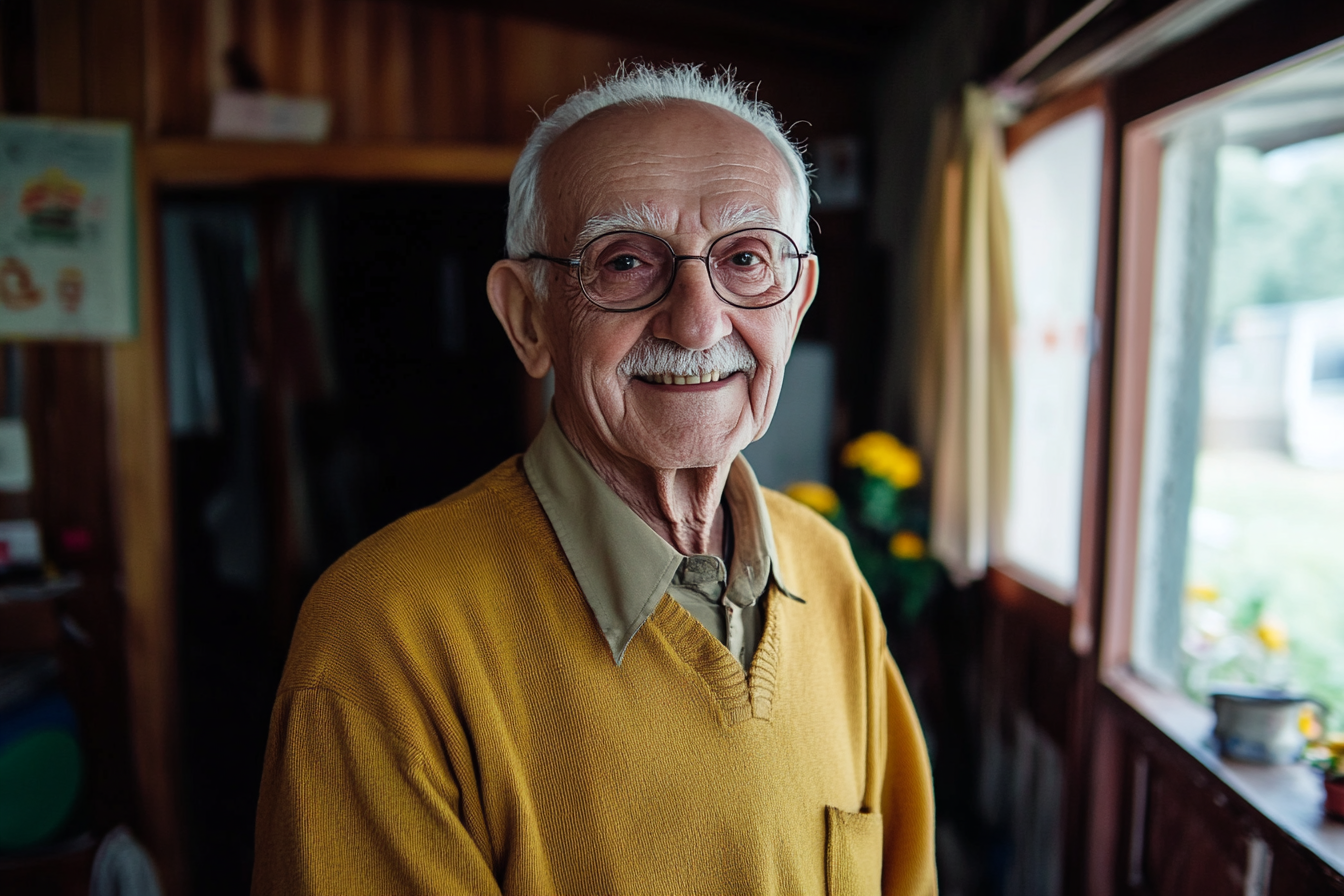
[[744, 259], [624, 263]]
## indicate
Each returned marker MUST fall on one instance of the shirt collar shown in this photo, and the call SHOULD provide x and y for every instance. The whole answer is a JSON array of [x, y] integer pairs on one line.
[[622, 566]]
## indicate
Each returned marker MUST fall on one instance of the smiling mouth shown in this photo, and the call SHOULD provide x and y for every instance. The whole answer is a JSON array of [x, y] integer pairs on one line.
[[674, 379]]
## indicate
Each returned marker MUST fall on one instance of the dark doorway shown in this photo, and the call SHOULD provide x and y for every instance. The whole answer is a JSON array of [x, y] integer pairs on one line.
[[333, 365]]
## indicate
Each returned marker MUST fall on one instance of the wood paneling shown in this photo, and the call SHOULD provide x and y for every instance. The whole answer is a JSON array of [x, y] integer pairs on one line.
[[88, 59], [59, 37], [175, 54], [18, 65], [66, 409], [1185, 824], [214, 163], [408, 71], [95, 414]]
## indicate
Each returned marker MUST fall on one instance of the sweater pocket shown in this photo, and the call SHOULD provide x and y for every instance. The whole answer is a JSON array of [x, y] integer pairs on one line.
[[853, 853]]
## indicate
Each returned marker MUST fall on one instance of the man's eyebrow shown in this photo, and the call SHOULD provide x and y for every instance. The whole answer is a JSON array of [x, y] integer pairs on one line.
[[739, 215], [645, 217], [651, 220]]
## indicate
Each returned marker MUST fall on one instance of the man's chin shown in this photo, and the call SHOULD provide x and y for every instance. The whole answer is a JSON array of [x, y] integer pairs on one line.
[[688, 449], [688, 427]]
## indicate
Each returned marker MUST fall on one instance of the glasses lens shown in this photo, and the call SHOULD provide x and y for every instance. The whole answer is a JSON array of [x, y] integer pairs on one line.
[[754, 267], [626, 269]]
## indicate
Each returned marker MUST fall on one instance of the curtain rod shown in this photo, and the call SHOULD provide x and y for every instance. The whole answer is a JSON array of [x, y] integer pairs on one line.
[[1013, 75], [1177, 22], [1170, 25]]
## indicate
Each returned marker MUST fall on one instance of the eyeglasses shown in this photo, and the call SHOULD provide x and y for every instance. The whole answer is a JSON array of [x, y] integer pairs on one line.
[[629, 270]]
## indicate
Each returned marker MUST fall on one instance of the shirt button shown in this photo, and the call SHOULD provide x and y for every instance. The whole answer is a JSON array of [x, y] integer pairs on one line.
[[702, 568]]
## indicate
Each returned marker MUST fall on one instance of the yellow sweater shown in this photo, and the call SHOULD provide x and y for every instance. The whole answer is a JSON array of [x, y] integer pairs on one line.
[[451, 721]]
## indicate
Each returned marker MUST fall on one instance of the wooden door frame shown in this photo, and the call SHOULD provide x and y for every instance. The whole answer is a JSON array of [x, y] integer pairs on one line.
[[141, 453]]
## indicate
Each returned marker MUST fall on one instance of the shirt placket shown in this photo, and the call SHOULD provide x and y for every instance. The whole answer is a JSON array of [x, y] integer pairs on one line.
[[734, 628]]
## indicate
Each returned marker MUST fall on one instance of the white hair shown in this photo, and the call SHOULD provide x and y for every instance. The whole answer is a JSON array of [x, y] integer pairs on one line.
[[640, 84]]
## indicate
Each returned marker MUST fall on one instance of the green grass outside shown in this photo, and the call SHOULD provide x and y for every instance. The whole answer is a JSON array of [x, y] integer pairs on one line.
[[1278, 566]]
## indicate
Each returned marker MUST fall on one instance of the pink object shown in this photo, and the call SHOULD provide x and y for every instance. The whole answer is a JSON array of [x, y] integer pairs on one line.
[[76, 540], [1334, 798]]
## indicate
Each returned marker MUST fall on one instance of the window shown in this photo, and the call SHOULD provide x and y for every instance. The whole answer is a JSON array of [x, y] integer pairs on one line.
[[1238, 569], [1052, 188]]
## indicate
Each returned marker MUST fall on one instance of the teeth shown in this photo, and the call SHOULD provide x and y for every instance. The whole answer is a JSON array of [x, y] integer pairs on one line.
[[670, 379]]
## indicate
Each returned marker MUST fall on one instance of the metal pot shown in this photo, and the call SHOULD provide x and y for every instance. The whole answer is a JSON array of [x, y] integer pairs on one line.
[[1334, 798], [1261, 724]]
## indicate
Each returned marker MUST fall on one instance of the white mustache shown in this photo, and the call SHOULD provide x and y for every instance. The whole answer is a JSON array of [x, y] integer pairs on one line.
[[652, 355]]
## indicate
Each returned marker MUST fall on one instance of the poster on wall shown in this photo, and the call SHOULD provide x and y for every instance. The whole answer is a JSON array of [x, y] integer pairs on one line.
[[67, 243]]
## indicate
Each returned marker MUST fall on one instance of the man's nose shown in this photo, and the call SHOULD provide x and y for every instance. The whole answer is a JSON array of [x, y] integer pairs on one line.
[[692, 315]]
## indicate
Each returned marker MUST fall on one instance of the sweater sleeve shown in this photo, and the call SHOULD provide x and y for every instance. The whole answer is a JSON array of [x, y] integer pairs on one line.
[[907, 797], [348, 807]]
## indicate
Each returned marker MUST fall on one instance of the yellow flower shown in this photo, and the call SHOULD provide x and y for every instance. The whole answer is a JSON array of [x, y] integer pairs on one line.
[[1309, 722], [1272, 633], [1203, 593], [881, 454], [906, 545], [821, 498]]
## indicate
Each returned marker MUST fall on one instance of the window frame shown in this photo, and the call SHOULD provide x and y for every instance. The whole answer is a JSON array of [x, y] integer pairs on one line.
[[1246, 48], [1074, 610], [1141, 153], [1112, 713]]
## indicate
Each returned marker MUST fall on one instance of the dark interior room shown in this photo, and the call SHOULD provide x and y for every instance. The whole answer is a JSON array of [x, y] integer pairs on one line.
[[1072, 388]]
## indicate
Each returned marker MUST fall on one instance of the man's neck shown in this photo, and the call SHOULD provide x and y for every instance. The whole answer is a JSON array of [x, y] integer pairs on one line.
[[684, 506]]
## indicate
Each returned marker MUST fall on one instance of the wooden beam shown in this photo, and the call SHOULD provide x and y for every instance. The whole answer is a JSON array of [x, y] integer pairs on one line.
[[59, 32], [142, 496], [115, 38], [210, 163]]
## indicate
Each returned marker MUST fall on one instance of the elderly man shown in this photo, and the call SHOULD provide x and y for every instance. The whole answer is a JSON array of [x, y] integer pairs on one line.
[[614, 664]]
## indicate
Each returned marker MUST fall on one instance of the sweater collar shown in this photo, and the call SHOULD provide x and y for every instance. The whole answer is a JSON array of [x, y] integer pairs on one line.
[[622, 566]]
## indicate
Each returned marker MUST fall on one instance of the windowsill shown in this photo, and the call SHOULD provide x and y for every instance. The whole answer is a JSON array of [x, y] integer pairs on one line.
[[1289, 797], [1041, 585]]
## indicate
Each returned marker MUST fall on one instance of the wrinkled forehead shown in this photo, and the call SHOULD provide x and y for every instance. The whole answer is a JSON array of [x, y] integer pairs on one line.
[[683, 166]]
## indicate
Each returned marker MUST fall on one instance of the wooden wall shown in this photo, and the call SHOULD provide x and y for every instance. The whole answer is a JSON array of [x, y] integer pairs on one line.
[[92, 472], [398, 70]]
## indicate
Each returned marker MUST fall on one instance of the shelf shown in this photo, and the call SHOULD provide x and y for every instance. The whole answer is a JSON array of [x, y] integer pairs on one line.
[[63, 870], [30, 615], [225, 162], [1290, 797]]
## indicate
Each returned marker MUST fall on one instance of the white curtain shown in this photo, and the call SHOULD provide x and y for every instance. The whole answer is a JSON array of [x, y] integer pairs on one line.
[[964, 404]]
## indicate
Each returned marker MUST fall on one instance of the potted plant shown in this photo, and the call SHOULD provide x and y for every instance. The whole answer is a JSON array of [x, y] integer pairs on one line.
[[1328, 756], [886, 526]]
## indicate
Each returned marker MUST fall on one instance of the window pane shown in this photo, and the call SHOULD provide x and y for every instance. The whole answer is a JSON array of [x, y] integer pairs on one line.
[[1241, 552], [1053, 188]]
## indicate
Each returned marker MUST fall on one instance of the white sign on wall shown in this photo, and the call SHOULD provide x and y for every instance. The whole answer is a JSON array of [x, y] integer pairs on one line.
[[67, 245]]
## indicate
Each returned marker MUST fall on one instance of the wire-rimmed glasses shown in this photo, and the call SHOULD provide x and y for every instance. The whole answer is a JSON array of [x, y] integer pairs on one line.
[[629, 270]]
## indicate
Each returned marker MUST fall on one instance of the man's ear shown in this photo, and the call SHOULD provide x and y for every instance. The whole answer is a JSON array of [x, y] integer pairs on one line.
[[510, 291], [807, 291]]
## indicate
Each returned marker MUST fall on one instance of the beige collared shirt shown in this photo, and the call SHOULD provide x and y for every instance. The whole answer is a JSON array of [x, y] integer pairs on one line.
[[624, 568]]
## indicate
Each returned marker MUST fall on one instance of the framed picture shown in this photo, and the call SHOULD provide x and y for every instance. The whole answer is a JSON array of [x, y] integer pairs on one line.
[[67, 233]]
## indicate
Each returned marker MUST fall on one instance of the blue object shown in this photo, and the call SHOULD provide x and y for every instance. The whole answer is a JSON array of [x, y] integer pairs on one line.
[[41, 770]]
